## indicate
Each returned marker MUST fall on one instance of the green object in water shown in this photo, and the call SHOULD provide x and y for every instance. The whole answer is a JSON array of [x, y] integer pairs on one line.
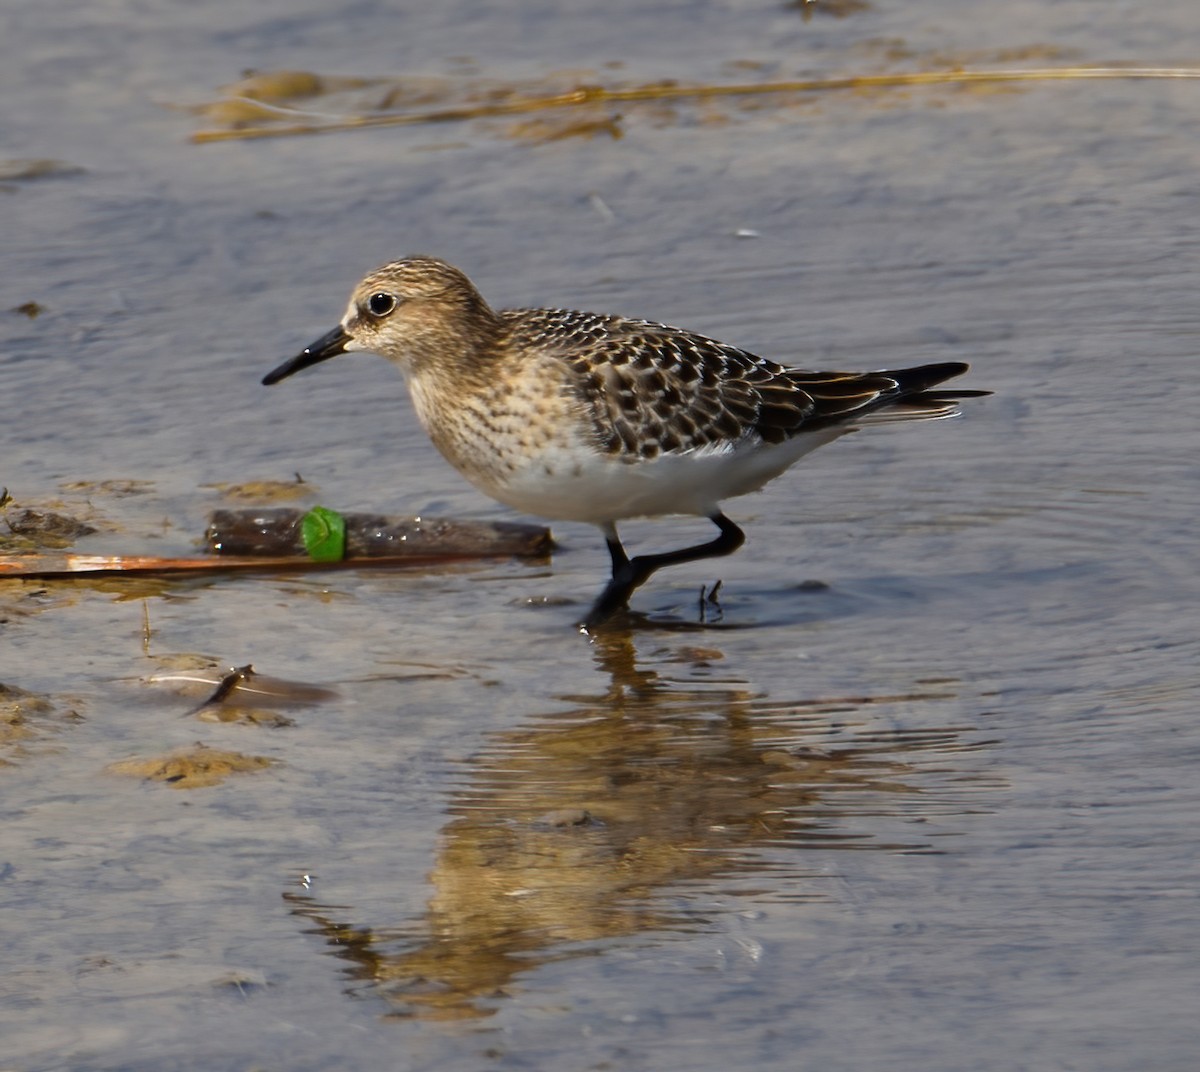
[[324, 534]]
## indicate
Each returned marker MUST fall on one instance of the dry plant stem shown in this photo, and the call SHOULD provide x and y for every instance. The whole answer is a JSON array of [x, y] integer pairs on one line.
[[66, 565], [586, 95]]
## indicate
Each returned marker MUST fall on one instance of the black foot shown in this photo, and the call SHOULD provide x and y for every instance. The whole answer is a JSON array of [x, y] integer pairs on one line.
[[615, 597], [629, 574], [710, 605]]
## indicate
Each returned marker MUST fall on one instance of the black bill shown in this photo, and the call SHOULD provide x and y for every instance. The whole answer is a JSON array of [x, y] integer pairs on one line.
[[323, 349]]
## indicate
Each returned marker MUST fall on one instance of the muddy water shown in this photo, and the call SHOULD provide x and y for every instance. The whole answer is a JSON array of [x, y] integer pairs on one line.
[[934, 810]]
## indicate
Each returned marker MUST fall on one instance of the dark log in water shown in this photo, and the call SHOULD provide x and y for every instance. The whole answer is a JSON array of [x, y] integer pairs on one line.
[[277, 532]]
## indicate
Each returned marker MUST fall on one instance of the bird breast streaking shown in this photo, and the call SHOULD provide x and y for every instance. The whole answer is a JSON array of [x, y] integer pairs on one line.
[[585, 417]]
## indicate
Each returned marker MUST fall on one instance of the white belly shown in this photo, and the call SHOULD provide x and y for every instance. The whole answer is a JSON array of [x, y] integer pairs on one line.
[[569, 485]]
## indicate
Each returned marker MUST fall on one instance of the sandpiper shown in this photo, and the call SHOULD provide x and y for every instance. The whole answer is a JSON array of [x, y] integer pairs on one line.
[[578, 416]]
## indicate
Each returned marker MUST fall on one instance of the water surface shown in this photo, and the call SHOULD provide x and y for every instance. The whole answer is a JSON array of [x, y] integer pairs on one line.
[[934, 811]]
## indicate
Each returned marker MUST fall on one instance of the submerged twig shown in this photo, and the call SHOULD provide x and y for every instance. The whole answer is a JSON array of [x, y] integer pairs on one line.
[[591, 95], [236, 676], [147, 634]]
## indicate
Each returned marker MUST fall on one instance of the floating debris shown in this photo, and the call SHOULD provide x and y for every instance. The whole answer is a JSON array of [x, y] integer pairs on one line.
[[243, 691], [46, 523], [838, 9], [547, 130], [15, 170], [118, 488], [37, 529], [287, 85], [391, 102], [26, 717], [260, 491], [195, 768]]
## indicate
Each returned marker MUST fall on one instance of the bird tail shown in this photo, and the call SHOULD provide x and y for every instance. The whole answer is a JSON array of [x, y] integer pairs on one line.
[[917, 396]]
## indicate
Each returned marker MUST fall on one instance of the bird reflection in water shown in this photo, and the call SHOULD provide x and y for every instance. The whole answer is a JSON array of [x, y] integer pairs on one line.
[[582, 825]]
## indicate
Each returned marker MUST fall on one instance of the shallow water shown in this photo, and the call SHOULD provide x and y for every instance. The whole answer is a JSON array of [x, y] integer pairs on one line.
[[936, 811]]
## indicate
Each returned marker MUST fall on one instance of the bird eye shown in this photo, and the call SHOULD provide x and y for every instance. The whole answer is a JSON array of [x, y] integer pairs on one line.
[[381, 304]]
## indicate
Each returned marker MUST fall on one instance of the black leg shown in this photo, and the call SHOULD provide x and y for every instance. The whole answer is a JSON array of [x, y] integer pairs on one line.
[[629, 574], [620, 560]]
